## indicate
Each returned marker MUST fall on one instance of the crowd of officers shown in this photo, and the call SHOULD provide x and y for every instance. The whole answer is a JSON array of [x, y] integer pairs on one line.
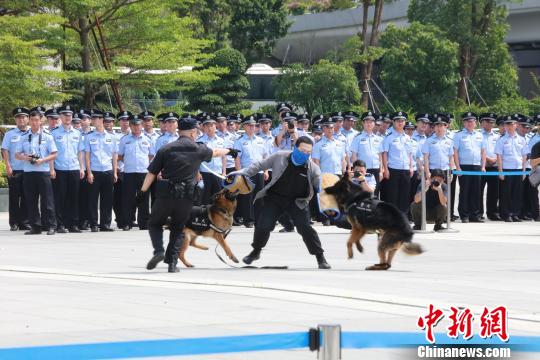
[[69, 170]]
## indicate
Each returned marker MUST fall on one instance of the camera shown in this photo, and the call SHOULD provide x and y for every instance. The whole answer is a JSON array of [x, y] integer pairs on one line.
[[435, 183], [356, 174], [33, 158], [290, 124]]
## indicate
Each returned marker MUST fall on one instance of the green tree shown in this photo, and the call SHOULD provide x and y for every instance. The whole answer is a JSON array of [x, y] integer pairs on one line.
[[256, 25], [324, 87], [419, 68], [226, 93], [479, 28]]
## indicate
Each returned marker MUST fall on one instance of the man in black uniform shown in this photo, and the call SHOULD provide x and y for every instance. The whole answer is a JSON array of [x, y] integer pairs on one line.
[[178, 162]]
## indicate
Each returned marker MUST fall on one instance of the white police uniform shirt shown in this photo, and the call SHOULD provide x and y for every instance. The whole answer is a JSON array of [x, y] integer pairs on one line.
[[286, 140], [269, 141], [153, 135], [10, 143], [215, 142], [330, 153], [252, 149], [415, 153], [349, 135], [469, 147], [162, 141], [275, 131], [68, 143], [135, 150], [398, 148], [439, 151], [367, 148], [101, 146], [228, 143], [40, 143], [511, 149], [490, 139], [119, 135]]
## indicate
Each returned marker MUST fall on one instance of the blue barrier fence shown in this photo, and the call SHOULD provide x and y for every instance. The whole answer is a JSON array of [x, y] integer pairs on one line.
[[491, 173], [263, 342]]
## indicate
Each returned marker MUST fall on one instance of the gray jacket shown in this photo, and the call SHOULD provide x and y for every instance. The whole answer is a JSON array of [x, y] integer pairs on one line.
[[278, 162]]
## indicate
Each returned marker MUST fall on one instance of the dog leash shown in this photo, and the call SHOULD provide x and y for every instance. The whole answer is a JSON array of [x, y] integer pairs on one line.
[[284, 267]]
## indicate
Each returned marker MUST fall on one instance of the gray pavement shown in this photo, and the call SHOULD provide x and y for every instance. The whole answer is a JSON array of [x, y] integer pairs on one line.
[[67, 289]]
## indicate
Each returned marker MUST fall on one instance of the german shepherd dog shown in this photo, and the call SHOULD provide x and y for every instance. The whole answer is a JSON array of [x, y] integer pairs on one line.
[[213, 221], [367, 214]]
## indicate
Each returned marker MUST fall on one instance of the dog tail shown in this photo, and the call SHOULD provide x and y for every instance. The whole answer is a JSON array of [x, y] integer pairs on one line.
[[411, 248]]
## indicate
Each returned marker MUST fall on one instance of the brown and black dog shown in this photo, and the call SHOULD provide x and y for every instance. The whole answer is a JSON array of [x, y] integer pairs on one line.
[[367, 214], [213, 221]]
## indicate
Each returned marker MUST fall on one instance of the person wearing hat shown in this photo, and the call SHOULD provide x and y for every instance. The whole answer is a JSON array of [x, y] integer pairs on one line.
[[178, 163], [397, 164], [316, 133], [302, 125], [290, 191], [69, 170], [228, 138], [76, 122], [511, 150], [162, 125], [418, 160], [288, 134], [367, 146], [423, 123], [83, 117], [487, 120], [349, 121], [37, 150], [281, 109], [232, 121], [385, 128], [529, 210], [329, 153], [18, 216], [171, 125], [265, 121], [134, 152], [212, 183], [40, 111], [438, 149], [100, 150], [53, 118], [252, 149], [469, 150], [148, 125]]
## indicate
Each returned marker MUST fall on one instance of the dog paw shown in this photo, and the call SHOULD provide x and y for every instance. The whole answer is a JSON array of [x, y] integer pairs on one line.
[[359, 247], [233, 258]]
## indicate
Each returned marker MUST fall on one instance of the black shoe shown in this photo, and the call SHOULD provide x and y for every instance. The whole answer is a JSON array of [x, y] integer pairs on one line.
[[438, 227], [143, 228], [255, 254], [173, 268], [454, 217], [84, 226], [126, 228], [516, 219], [94, 229], [285, 230], [105, 228], [476, 220], [417, 227], [13, 228], [238, 222], [61, 230], [33, 232], [156, 259], [74, 229], [322, 262], [494, 217], [526, 218], [51, 232], [248, 225], [465, 220], [25, 227], [508, 219]]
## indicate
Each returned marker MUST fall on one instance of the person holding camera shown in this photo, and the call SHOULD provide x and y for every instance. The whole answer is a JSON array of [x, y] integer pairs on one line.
[[436, 200], [288, 134], [361, 177]]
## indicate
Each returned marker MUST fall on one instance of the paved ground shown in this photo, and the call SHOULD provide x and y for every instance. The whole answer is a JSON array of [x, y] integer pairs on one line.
[[94, 288]]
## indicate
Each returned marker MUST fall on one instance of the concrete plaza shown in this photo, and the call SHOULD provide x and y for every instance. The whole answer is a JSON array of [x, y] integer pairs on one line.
[[94, 287]]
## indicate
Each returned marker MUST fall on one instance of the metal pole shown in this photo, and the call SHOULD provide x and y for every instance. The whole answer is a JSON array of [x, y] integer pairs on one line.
[[448, 203], [423, 202], [330, 348]]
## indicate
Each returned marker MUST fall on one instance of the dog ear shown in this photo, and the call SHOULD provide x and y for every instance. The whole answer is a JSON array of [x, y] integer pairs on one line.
[[331, 190], [345, 176]]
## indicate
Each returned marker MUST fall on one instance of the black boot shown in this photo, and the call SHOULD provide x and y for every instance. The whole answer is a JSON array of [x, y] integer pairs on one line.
[[322, 262], [173, 268], [156, 259], [255, 254]]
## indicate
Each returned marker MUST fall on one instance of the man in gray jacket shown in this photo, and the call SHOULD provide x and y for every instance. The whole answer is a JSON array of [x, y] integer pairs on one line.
[[293, 179]]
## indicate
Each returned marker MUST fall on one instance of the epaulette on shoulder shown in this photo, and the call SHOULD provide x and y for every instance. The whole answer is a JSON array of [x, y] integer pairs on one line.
[[45, 131]]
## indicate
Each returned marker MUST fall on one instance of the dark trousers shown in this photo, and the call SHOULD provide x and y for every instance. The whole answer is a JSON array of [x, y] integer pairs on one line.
[[178, 210], [530, 199], [271, 209], [249, 211], [17, 206], [437, 214], [415, 181], [117, 202], [375, 173], [66, 199], [132, 185], [469, 193], [492, 196], [453, 194], [397, 189], [38, 190], [511, 189], [237, 213], [284, 220], [101, 189], [84, 205], [212, 185]]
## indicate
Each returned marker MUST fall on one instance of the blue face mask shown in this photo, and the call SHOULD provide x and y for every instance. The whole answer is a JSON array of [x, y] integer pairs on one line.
[[299, 158]]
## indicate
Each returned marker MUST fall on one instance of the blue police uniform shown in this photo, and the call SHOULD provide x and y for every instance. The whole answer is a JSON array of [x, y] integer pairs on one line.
[[349, 134], [84, 214], [530, 193], [399, 158], [153, 135], [228, 142], [439, 151], [101, 147], [330, 153], [368, 147], [163, 140], [37, 180], [492, 182], [212, 183], [252, 149], [67, 182], [468, 146], [18, 218], [269, 141]]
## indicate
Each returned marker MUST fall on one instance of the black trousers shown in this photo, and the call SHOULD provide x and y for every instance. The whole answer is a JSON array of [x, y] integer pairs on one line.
[[212, 185], [492, 196], [17, 206], [470, 193], [453, 194], [284, 220], [271, 209], [415, 181], [237, 213], [101, 189], [397, 189], [511, 189], [117, 201], [249, 211], [436, 214], [375, 173], [38, 191], [66, 199], [178, 210], [132, 184], [84, 205], [530, 199]]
